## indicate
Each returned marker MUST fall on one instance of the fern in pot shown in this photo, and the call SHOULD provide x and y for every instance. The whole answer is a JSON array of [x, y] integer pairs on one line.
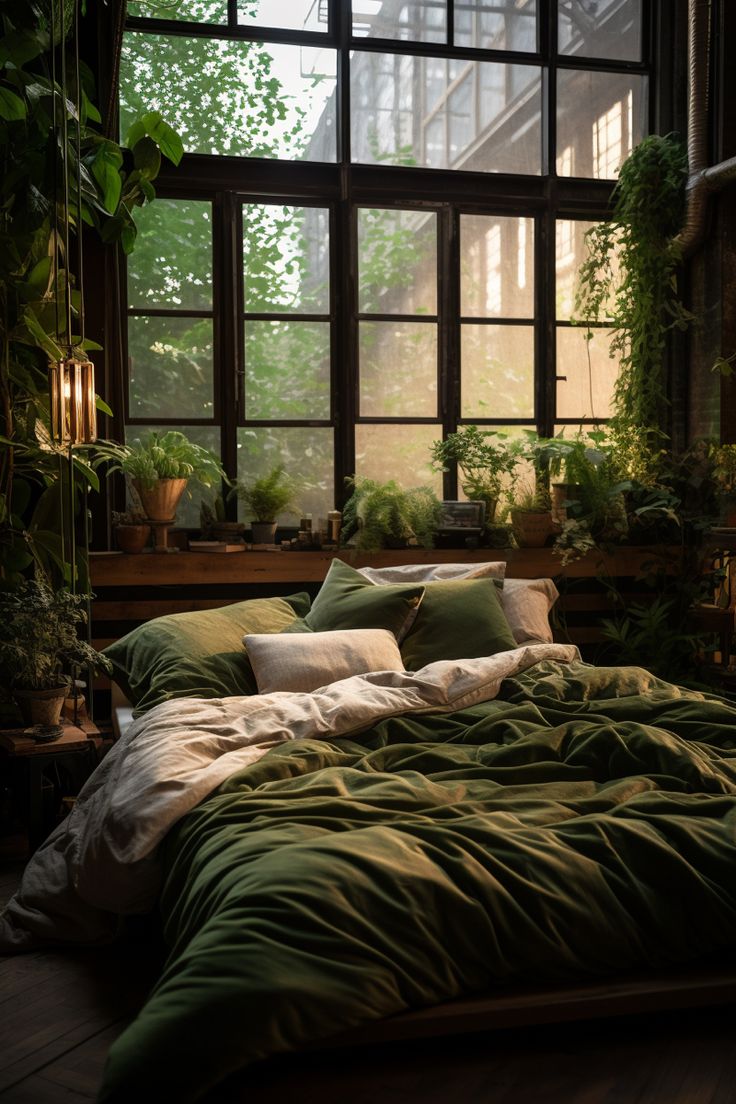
[[264, 499], [382, 515], [40, 647]]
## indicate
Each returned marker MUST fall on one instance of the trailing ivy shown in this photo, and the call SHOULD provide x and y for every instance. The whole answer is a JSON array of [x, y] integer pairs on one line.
[[629, 279]]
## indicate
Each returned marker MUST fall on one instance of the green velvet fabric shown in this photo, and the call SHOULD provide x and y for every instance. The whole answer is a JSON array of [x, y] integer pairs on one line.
[[458, 619], [581, 825], [347, 600], [198, 654]]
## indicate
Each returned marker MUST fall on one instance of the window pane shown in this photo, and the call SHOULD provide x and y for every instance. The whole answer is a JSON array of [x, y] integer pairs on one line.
[[287, 370], [607, 29], [397, 262], [497, 266], [307, 455], [292, 15], [244, 99], [505, 25], [194, 11], [399, 452], [587, 390], [171, 265], [497, 376], [286, 259], [415, 21], [187, 514], [410, 111], [398, 370], [600, 118], [170, 367]]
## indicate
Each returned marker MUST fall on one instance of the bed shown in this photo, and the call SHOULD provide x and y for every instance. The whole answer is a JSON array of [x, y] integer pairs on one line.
[[396, 795]]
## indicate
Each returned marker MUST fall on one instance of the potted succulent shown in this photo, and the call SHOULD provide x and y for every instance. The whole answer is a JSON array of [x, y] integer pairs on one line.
[[40, 647], [531, 517], [132, 530], [264, 499], [159, 468], [382, 515], [487, 462]]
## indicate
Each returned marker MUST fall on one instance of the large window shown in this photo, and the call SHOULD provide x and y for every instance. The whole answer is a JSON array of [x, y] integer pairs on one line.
[[374, 235]]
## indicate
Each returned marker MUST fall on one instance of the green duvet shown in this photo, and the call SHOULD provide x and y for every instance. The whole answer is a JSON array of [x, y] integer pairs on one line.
[[573, 827]]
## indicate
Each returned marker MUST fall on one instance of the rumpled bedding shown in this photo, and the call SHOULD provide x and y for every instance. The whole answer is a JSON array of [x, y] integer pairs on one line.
[[551, 821]]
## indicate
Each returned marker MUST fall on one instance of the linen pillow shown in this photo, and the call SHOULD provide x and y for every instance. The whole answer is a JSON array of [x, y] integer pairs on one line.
[[527, 604], [303, 662], [346, 600], [458, 619], [197, 654], [423, 573]]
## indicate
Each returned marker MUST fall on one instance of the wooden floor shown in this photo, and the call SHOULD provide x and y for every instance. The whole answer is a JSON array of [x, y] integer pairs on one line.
[[59, 1012]]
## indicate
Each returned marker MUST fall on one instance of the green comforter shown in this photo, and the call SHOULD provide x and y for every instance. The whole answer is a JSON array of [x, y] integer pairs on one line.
[[573, 827]]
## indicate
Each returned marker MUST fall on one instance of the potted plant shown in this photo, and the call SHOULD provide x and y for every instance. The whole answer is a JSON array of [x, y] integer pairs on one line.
[[593, 488], [486, 459], [159, 468], [40, 647], [531, 517], [132, 530], [264, 499], [215, 526], [383, 515]]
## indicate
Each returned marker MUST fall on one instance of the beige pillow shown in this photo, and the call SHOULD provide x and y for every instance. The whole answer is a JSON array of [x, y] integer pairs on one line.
[[423, 573], [302, 662], [526, 603]]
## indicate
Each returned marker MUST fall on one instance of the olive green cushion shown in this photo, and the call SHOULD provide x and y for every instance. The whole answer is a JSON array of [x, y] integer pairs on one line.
[[199, 655], [347, 600], [459, 619]]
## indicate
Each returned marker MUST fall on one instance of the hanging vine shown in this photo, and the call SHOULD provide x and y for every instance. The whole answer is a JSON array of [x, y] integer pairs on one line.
[[629, 280]]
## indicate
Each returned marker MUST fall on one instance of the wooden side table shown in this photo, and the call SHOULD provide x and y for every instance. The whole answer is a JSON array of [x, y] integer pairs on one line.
[[76, 750]]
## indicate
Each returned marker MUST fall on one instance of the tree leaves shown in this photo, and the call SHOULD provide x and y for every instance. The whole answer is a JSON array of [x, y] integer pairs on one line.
[[12, 107], [155, 126]]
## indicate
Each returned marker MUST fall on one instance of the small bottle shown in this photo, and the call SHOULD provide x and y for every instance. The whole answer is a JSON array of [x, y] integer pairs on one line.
[[334, 521]]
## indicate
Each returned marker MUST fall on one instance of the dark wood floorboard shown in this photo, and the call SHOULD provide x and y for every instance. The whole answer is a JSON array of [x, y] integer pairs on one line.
[[60, 1012]]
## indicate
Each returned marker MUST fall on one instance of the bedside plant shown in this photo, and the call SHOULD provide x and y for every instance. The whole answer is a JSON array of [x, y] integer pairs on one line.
[[39, 647], [382, 515], [531, 517], [486, 460], [132, 530], [264, 499]]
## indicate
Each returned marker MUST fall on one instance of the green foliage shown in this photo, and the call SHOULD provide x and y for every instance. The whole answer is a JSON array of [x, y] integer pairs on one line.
[[379, 515], [724, 470], [169, 455], [39, 643], [641, 291], [590, 464], [267, 497], [530, 500], [485, 458]]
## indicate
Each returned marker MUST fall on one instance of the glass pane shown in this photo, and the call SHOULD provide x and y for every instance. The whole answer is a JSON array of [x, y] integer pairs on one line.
[[478, 115], [171, 265], [606, 29], [497, 266], [399, 452], [286, 259], [415, 21], [600, 118], [194, 11], [287, 370], [187, 515], [504, 25], [307, 455], [570, 252], [292, 15], [170, 373], [398, 369], [245, 99], [497, 371], [590, 374], [397, 262]]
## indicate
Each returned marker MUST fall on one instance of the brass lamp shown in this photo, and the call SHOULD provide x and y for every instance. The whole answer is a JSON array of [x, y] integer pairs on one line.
[[72, 401]]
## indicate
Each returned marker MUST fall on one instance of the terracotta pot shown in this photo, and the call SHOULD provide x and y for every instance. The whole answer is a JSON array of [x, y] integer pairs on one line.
[[263, 532], [160, 500], [41, 707], [532, 529], [132, 538]]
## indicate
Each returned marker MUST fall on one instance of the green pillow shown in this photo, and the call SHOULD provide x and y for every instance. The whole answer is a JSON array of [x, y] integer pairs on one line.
[[197, 655], [347, 600], [458, 619]]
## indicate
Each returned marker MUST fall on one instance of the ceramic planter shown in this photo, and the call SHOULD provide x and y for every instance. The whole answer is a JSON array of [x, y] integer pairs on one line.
[[263, 532], [132, 538], [160, 502], [41, 707], [532, 529]]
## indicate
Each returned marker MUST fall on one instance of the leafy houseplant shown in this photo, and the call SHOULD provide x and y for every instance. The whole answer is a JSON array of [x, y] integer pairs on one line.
[[531, 517], [39, 647], [382, 515], [213, 523], [264, 499], [638, 294], [487, 460], [132, 530]]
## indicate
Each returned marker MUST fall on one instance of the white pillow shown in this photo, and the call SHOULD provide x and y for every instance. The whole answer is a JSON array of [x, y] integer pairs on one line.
[[302, 662], [526, 603], [421, 573]]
